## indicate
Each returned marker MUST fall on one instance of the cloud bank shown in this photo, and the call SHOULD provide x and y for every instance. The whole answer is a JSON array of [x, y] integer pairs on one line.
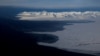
[[43, 15]]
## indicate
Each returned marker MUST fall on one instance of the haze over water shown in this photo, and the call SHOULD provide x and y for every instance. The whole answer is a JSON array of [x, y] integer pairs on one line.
[[79, 31]]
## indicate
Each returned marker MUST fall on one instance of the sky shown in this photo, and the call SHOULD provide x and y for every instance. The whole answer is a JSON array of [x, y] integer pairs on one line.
[[51, 3]]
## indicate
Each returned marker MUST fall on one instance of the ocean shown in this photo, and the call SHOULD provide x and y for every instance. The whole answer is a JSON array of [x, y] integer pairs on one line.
[[74, 35]]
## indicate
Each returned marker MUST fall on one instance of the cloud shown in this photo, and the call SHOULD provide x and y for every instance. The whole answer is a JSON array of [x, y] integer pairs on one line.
[[58, 15]]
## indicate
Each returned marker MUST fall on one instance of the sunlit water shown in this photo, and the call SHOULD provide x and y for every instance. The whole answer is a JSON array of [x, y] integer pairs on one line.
[[79, 36]]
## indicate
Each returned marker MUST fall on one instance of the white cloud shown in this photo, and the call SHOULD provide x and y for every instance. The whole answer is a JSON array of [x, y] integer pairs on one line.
[[58, 15]]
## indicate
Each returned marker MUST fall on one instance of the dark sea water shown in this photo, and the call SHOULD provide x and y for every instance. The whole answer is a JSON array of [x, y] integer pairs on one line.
[[9, 25]]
